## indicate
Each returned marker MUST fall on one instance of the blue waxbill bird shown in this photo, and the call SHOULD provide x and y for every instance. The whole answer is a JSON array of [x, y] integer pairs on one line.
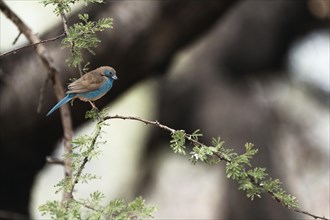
[[90, 87]]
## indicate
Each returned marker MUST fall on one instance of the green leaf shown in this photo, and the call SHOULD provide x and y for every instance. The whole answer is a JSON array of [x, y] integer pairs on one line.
[[258, 173], [82, 36], [178, 142]]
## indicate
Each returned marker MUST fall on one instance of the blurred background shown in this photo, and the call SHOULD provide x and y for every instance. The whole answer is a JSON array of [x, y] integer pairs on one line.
[[247, 71]]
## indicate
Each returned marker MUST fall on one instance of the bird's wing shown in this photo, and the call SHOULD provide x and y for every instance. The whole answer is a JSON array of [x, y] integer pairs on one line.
[[88, 82]]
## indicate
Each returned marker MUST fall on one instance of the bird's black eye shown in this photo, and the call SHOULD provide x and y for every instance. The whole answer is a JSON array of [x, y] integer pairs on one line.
[[107, 73]]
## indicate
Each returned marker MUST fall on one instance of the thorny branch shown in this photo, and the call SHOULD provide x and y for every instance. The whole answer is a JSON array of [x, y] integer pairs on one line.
[[188, 137], [53, 74]]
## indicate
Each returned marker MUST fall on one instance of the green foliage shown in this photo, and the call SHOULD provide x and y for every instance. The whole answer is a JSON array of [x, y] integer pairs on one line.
[[178, 141], [137, 209], [82, 35], [64, 6], [253, 180], [92, 114], [274, 188], [97, 115], [93, 208], [250, 179], [85, 148], [206, 154], [54, 209], [194, 136]]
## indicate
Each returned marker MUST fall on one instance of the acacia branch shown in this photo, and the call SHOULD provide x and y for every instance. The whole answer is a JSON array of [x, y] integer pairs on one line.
[[32, 45], [221, 158], [147, 122], [85, 160], [272, 194], [66, 31], [53, 74], [309, 214]]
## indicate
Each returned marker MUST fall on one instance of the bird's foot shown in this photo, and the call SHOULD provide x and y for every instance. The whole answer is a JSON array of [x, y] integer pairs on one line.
[[94, 113], [94, 106], [97, 113], [96, 109]]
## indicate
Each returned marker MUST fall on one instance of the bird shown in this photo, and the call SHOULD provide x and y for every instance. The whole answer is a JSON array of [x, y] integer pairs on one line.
[[90, 87]]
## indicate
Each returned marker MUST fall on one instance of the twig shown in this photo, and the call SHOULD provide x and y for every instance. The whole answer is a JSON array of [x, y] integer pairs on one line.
[[32, 45], [309, 214], [147, 122], [188, 137], [53, 74], [16, 39]]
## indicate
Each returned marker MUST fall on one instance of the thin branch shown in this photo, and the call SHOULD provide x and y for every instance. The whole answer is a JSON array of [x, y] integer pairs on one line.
[[188, 137], [16, 39], [147, 122], [32, 45], [53, 74], [310, 214]]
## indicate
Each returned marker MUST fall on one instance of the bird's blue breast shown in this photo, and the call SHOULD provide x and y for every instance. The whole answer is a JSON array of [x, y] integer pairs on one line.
[[98, 93]]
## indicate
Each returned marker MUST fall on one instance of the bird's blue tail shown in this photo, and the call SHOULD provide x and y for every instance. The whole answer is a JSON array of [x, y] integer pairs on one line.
[[66, 99]]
